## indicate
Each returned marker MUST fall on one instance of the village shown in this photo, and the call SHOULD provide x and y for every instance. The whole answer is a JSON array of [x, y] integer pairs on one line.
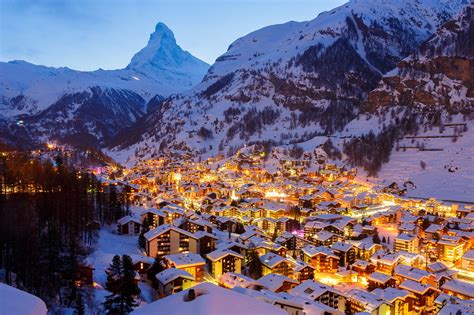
[[301, 234]]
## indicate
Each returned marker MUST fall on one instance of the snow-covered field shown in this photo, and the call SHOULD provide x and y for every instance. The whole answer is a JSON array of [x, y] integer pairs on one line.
[[448, 174], [110, 244]]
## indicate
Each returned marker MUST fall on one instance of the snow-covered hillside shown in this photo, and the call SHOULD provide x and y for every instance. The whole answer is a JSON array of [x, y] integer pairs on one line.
[[30, 93], [423, 111], [287, 83]]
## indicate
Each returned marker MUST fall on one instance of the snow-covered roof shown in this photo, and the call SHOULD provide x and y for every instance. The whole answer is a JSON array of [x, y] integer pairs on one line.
[[369, 300], [416, 287], [391, 294], [150, 235], [171, 274], [311, 289], [463, 287], [182, 260], [17, 302], [219, 254], [273, 281], [409, 272], [210, 299], [469, 255], [126, 219], [312, 251], [271, 259], [379, 277]]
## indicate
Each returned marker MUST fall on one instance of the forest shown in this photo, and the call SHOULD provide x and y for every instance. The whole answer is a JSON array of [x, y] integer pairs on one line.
[[49, 217]]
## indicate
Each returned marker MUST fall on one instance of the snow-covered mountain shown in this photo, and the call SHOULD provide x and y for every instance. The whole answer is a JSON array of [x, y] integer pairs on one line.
[[288, 83], [421, 117], [39, 102]]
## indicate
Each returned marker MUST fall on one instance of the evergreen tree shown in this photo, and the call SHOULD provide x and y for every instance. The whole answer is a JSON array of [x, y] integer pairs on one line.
[[142, 240], [121, 284], [130, 288], [157, 267], [254, 265], [79, 308], [376, 238]]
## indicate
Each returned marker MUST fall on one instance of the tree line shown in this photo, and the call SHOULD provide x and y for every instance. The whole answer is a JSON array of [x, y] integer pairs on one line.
[[49, 217]]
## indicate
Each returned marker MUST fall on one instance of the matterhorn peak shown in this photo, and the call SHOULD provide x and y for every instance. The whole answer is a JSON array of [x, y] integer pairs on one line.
[[163, 53]]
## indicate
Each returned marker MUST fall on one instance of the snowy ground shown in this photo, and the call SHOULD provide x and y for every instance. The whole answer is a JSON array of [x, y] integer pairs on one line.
[[110, 244], [388, 231]]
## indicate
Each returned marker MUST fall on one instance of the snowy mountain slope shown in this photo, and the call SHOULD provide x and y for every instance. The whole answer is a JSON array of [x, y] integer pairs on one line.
[[422, 116], [50, 101], [287, 83]]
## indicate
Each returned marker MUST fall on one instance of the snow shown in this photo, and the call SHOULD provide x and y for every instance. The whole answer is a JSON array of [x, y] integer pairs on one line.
[[171, 274], [210, 299], [159, 68], [108, 245], [17, 302]]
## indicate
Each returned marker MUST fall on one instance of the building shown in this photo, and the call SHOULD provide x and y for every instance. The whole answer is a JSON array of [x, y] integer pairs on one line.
[[168, 239], [378, 280], [129, 225], [273, 263], [189, 262], [173, 280], [467, 261], [222, 261], [363, 301], [345, 251], [406, 242], [460, 289], [451, 248], [277, 283], [319, 292], [425, 295], [321, 258]]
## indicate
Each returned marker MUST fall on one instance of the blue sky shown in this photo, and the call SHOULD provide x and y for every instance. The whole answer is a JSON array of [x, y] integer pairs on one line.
[[92, 34]]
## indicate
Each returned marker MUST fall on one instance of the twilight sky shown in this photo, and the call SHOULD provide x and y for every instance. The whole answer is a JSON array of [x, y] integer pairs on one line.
[[92, 34]]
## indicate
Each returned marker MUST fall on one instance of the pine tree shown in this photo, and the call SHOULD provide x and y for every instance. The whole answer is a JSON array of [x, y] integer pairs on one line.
[[255, 265], [142, 240], [157, 267], [130, 288], [121, 284], [79, 308]]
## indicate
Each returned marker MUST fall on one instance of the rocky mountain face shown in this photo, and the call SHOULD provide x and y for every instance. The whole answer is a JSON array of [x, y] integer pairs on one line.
[[39, 103], [439, 75], [429, 91], [288, 83]]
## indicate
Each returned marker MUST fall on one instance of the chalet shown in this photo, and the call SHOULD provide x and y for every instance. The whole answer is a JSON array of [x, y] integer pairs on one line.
[[129, 225], [404, 272], [173, 280], [401, 301], [303, 271], [321, 258], [316, 291], [273, 263], [141, 265], [168, 239], [222, 261], [451, 248], [189, 262], [467, 261], [153, 216], [345, 251], [277, 283], [363, 301], [425, 295], [363, 268], [461, 289], [380, 280], [406, 242]]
